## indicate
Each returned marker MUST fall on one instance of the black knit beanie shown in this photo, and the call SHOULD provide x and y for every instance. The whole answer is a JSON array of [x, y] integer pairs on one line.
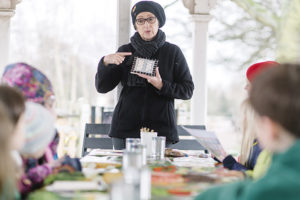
[[149, 6]]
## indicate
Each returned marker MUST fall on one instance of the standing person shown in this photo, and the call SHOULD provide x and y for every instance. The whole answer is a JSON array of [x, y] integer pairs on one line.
[[145, 101], [275, 96]]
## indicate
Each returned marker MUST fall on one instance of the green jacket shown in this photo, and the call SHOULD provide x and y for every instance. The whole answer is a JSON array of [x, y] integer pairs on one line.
[[281, 182]]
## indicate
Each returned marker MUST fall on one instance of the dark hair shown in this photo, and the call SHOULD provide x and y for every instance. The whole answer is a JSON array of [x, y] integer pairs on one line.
[[275, 93], [14, 101], [7, 166]]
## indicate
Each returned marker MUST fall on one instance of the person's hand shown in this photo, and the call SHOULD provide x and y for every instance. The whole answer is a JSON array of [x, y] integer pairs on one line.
[[220, 158], [55, 163], [216, 159], [223, 155], [115, 58], [156, 80]]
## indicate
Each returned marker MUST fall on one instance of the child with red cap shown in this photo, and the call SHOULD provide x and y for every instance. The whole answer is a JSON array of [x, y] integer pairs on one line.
[[256, 69], [250, 148]]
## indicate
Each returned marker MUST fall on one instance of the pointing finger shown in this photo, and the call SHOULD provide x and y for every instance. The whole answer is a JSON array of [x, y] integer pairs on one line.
[[124, 53]]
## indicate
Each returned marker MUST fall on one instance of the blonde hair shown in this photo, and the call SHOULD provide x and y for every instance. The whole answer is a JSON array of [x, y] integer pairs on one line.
[[7, 165], [248, 130]]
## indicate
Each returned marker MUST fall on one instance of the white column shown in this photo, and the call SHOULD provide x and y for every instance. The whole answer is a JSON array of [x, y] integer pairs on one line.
[[124, 22], [198, 103], [7, 10], [199, 9], [123, 31], [5, 15]]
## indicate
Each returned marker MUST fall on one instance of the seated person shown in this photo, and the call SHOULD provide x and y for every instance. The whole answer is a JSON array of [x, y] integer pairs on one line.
[[253, 161], [250, 148], [275, 96], [35, 86], [37, 163], [8, 168], [14, 104], [39, 132]]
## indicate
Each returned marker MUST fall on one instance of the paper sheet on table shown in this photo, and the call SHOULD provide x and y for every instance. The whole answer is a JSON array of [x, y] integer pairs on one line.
[[208, 140], [96, 159], [105, 152], [193, 162], [61, 186]]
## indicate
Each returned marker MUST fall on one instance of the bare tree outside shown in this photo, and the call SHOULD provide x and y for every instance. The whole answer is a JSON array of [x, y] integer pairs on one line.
[[249, 26]]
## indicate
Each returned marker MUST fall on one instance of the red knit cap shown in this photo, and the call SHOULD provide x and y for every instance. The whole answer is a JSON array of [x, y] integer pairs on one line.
[[257, 68]]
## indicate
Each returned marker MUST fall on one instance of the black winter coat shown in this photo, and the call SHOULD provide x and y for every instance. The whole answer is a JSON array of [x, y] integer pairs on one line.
[[146, 106]]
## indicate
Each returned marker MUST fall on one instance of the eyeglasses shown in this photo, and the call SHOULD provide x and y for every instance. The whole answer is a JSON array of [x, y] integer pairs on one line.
[[150, 20]]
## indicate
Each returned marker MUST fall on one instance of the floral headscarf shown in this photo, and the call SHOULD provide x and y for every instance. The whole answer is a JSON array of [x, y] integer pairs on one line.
[[35, 86]]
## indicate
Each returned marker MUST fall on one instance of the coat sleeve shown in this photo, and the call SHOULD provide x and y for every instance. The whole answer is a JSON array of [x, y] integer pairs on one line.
[[182, 87], [108, 77], [230, 163], [34, 178]]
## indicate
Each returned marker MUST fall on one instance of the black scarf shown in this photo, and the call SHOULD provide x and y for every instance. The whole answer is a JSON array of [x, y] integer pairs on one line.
[[144, 49], [147, 49]]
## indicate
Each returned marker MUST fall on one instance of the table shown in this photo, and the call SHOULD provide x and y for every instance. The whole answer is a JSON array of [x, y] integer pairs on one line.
[[179, 178]]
